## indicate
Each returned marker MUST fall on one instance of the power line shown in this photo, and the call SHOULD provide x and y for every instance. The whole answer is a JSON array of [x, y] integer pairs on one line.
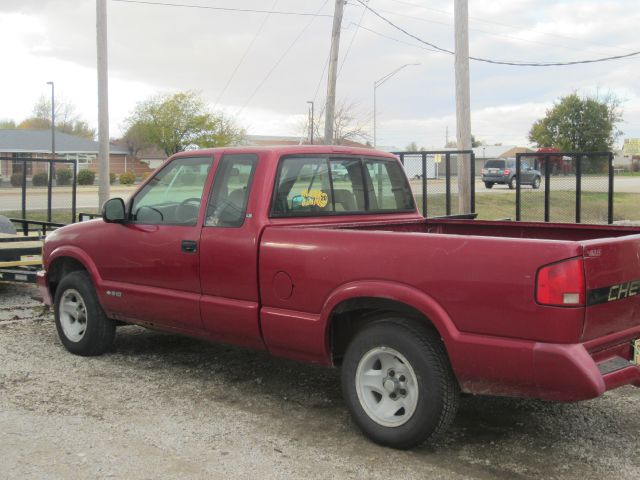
[[225, 9], [496, 62], [275, 65], [517, 27], [484, 32], [344, 59], [244, 56]]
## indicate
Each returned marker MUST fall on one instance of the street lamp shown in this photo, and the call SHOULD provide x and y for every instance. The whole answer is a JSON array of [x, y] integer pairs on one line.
[[376, 84], [311, 122], [53, 150]]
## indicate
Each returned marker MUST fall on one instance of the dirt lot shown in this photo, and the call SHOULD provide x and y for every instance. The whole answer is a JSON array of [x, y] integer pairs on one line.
[[162, 406]]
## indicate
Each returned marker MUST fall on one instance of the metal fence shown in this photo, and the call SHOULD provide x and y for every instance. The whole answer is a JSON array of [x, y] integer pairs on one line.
[[433, 176], [38, 190], [574, 187]]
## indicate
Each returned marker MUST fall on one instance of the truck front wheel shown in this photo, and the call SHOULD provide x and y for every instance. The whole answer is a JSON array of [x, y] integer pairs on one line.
[[398, 384], [82, 326]]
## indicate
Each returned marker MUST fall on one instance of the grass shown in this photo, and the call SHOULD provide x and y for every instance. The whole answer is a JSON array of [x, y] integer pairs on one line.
[[489, 206], [57, 215], [492, 206]]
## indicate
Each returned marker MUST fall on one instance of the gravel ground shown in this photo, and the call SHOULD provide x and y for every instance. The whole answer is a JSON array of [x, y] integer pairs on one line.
[[162, 406]]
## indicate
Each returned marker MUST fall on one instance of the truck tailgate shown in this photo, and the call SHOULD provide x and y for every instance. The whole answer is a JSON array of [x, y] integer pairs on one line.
[[612, 271]]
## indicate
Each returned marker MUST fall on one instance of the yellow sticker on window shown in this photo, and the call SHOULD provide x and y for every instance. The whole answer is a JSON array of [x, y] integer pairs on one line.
[[314, 197]]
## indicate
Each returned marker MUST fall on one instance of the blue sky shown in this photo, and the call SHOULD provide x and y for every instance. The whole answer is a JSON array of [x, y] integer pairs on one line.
[[159, 48]]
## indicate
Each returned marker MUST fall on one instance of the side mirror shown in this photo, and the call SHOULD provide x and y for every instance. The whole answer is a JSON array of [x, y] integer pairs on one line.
[[113, 211]]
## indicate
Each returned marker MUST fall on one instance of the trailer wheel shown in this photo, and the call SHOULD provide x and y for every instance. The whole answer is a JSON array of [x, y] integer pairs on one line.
[[82, 326], [398, 383], [488, 184], [512, 183]]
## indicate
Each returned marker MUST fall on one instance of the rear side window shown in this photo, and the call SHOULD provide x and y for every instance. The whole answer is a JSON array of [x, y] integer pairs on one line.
[[227, 204], [308, 186], [494, 164]]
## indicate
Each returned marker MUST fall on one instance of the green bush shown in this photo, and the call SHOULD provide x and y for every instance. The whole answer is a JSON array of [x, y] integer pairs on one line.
[[63, 176], [112, 178], [16, 179], [127, 178], [86, 177], [40, 179]]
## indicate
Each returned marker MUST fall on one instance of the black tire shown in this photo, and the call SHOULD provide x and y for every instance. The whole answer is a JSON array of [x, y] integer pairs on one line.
[[437, 389], [488, 184], [512, 183], [99, 332], [536, 183]]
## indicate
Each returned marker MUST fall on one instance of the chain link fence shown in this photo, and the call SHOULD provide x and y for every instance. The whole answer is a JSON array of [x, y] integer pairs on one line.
[[574, 188], [433, 176], [38, 190]]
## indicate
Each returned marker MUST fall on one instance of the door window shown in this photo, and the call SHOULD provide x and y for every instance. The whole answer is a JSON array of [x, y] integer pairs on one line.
[[227, 206], [173, 196]]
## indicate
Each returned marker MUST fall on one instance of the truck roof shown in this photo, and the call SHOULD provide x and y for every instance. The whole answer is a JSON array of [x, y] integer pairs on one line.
[[290, 149]]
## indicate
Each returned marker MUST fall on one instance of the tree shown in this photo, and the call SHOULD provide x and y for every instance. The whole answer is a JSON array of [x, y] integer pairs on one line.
[[176, 122], [7, 124], [349, 123], [412, 147], [67, 120], [579, 124], [474, 143]]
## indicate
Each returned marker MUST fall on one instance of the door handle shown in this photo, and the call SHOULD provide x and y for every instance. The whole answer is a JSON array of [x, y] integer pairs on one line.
[[189, 246]]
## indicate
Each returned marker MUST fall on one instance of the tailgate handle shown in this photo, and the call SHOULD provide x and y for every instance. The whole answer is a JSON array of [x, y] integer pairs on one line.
[[189, 246]]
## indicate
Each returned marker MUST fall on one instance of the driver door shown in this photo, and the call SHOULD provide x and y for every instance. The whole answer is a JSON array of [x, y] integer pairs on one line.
[[156, 269]]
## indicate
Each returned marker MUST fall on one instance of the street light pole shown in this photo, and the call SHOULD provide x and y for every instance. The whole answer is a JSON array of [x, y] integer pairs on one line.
[[53, 151], [376, 84], [311, 122]]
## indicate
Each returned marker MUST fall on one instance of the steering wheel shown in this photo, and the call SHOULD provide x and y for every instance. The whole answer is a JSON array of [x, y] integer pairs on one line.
[[187, 210]]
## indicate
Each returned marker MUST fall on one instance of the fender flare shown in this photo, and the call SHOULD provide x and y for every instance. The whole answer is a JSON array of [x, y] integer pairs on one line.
[[79, 255], [398, 292]]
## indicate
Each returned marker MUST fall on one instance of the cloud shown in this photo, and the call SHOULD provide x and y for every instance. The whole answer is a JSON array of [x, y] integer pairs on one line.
[[160, 48]]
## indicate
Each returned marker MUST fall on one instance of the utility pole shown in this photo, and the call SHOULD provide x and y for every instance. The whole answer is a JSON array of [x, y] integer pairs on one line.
[[311, 117], [463, 109], [103, 103], [333, 72]]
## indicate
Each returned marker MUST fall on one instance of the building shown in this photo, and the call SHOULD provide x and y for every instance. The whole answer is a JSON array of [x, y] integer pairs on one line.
[[487, 152], [16, 145]]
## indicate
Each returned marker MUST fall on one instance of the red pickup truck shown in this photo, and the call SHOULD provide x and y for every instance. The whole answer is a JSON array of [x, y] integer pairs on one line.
[[318, 254]]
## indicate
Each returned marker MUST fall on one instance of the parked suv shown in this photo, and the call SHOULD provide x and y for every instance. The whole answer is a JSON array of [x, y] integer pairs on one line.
[[504, 172]]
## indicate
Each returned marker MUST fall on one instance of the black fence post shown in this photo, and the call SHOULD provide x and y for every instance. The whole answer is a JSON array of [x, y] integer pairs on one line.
[[74, 191], [547, 189], [610, 197], [518, 204], [472, 187], [49, 188], [424, 185], [447, 169], [578, 186], [25, 227]]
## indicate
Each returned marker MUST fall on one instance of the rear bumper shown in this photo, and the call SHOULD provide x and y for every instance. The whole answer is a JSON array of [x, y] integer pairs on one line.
[[560, 372], [43, 287]]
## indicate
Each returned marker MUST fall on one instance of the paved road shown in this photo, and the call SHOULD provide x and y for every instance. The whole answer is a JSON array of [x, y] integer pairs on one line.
[[87, 197], [11, 200], [162, 406], [589, 184]]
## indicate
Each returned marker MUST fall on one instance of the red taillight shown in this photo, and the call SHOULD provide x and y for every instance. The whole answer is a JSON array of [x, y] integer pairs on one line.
[[561, 284], [506, 171], [484, 171]]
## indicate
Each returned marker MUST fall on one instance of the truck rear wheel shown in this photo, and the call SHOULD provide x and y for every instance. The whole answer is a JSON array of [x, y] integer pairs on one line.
[[398, 384], [82, 326]]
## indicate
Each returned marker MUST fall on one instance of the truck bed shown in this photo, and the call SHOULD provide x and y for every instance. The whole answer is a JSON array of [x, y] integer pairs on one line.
[[488, 228]]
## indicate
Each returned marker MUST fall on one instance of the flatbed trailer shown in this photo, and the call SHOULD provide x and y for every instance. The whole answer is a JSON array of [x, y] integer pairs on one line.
[[21, 252], [20, 257]]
